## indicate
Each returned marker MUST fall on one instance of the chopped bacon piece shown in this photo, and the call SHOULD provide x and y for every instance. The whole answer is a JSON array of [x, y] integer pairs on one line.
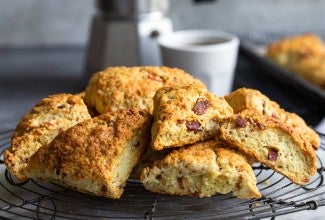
[[193, 126], [201, 106]]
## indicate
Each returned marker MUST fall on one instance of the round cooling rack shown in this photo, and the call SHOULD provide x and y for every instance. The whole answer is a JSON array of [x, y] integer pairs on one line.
[[42, 200]]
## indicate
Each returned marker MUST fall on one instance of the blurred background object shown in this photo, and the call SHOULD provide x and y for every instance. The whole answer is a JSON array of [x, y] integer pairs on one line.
[[67, 22], [124, 32]]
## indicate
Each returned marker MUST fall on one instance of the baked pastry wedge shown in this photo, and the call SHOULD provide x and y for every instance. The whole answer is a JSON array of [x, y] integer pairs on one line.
[[148, 158], [95, 156], [132, 87], [185, 115], [288, 49], [202, 169], [272, 143], [40, 125], [302, 54], [250, 99]]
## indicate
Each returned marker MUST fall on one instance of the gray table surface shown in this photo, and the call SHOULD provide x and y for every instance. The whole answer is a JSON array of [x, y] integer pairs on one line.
[[26, 76]]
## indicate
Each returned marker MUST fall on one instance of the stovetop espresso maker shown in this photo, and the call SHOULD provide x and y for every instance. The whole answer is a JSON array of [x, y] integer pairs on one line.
[[124, 32]]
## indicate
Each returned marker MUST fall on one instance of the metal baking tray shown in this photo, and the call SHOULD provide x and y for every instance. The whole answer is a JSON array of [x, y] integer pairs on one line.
[[43, 200], [253, 45]]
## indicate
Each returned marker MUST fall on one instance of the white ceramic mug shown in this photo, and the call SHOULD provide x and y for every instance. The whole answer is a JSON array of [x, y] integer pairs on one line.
[[208, 55]]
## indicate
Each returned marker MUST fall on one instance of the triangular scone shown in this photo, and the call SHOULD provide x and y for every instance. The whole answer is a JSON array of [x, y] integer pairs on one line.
[[272, 143], [202, 169], [132, 87], [250, 99], [39, 126], [185, 115], [95, 156]]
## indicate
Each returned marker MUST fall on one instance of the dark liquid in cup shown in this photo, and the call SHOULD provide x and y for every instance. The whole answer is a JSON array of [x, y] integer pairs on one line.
[[206, 42]]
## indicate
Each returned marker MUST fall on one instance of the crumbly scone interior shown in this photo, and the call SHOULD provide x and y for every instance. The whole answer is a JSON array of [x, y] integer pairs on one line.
[[250, 99], [203, 169], [272, 144]]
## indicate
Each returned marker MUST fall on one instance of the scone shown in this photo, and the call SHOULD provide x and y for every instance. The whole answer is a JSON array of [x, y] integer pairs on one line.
[[311, 68], [202, 169], [148, 158], [40, 125], [250, 99], [132, 87], [185, 115], [272, 143], [287, 48], [95, 156], [302, 54]]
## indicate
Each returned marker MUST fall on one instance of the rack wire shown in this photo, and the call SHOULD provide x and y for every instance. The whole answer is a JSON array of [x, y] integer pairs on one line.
[[42, 200]]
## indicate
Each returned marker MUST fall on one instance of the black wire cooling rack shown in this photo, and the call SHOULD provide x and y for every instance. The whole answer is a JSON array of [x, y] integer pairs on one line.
[[42, 200]]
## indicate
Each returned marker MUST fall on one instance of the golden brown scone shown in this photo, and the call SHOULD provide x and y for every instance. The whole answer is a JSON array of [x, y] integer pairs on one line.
[[95, 156], [185, 115], [302, 44], [251, 99], [132, 87], [40, 125], [202, 169], [303, 54], [271, 143]]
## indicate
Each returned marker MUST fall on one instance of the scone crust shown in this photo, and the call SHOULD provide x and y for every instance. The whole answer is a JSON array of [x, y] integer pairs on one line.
[[132, 87], [185, 115], [272, 143], [40, 125], [250, 99], [202, 169], [89, 155]]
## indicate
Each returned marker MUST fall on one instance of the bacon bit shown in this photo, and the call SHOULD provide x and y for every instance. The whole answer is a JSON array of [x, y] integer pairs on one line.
[[104, 189], [272, 155], [193, 126], [137, 144], [179, 121], [263, 111], [154, 77], [273, 115], [240, 122], [252, 122], [180, 182], [261, 126], [201, 106], [197, 194]]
